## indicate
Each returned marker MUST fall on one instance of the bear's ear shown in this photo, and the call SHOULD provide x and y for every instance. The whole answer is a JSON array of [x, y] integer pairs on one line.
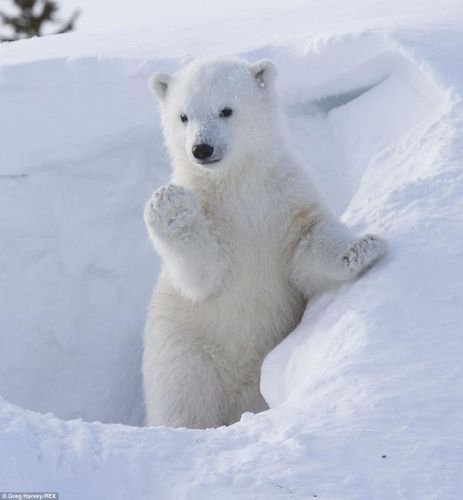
[[159, 83], [265, 72]]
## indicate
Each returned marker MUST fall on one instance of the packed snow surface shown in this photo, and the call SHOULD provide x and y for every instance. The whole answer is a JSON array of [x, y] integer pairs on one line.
[[366, 395]]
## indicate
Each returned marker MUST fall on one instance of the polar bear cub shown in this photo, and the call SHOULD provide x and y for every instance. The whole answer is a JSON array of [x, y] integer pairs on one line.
[[245, 243]]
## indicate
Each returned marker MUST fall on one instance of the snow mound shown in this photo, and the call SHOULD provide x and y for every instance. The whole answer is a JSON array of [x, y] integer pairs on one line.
[[372, 371]]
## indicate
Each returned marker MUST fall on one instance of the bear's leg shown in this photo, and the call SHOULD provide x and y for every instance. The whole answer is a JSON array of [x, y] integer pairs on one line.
[[181, 386], [184, 238], [330, 253]]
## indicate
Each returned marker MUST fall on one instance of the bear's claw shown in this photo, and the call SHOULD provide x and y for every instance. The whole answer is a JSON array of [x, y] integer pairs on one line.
[[171, 209], [363, 253]]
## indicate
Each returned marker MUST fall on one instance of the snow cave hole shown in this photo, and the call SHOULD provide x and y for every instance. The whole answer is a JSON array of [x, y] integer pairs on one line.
[[347, 99]]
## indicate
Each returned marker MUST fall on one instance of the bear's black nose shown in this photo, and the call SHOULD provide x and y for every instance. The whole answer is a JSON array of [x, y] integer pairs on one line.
[[202, 151]]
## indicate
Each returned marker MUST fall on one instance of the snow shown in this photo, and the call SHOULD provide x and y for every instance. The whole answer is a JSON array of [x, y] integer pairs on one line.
[[372, 92]]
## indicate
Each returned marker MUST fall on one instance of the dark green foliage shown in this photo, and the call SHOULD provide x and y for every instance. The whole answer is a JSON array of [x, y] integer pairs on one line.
[[32, 17]]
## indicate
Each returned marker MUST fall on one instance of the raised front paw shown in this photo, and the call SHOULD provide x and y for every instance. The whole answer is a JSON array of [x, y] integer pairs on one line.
[[362, 254], [171, 210]]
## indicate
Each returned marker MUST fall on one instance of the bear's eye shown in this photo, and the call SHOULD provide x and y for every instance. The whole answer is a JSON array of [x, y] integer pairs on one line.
[[183, 117], [226, 112]]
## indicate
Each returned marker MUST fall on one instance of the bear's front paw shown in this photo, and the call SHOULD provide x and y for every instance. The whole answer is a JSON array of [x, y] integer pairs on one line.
[[362, 254], [171, 209]]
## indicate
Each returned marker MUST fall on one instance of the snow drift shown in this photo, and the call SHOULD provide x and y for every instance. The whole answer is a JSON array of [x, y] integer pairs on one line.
[[365, 395]]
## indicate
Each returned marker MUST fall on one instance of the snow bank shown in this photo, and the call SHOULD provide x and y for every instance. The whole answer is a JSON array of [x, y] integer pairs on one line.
[[373, 370]]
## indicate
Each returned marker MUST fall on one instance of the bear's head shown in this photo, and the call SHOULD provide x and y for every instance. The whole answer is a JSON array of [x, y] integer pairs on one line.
[[218, 114]]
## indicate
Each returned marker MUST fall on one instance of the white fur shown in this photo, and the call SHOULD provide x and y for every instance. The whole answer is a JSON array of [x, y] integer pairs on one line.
[[245, 243]]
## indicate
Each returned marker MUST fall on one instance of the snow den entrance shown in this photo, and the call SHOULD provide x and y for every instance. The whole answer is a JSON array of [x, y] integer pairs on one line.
[[77, 266]]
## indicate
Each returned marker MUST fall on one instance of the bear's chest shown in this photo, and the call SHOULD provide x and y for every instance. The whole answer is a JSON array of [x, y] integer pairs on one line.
[[252, 224]]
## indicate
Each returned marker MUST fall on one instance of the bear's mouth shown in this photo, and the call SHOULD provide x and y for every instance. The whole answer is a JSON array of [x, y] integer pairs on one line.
[[208, 162]]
